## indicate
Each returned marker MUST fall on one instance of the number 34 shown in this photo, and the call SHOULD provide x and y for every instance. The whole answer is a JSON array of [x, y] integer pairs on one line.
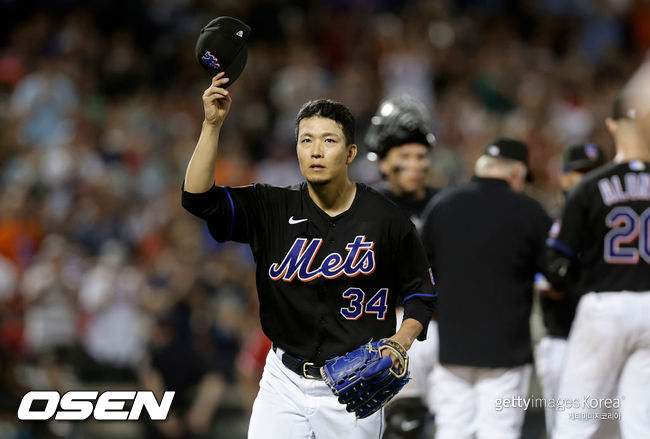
[[378, 304]]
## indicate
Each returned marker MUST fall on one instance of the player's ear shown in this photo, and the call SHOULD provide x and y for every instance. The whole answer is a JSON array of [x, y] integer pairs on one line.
[[612, 126], [352, 153]]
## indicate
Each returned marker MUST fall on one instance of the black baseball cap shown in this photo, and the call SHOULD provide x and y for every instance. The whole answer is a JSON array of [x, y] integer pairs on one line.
[[510, 149], [221, 47], [582, 157]]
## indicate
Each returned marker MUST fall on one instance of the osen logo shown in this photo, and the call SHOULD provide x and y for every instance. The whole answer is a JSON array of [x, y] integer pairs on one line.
[[80, 405]]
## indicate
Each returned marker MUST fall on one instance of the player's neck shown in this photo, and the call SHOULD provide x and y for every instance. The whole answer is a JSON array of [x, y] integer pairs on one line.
[[630, 149], [335, 197], [418, 194]]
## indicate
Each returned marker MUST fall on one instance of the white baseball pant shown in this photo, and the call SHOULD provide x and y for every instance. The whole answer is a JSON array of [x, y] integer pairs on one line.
[[550, 356], [550, 359], [609, 351], [289, 406], [466, 401]]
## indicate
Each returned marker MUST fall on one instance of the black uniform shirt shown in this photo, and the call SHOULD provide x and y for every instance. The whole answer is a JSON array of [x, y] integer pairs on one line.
[[413, 207], [605, 230], [485, 243], [326, 284], [558, 312]]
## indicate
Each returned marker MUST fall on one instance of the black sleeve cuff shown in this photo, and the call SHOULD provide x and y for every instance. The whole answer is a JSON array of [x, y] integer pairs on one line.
[[420, 309], [201, 204]]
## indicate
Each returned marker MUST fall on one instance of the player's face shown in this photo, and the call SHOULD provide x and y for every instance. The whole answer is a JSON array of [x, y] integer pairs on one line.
[[322, 151], [406, 167]]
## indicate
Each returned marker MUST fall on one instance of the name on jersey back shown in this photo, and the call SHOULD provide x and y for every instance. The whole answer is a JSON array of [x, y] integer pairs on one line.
[[634, 187]]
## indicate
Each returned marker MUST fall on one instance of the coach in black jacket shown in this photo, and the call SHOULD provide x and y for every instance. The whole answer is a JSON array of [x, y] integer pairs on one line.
[[485, 242]]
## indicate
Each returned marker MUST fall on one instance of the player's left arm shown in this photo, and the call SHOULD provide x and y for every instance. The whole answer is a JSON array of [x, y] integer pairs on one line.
[[416, 287], [408, 332], [405, 336]]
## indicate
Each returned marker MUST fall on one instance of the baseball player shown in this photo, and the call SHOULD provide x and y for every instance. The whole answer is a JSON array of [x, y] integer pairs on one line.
[[485, 241], [400, 137], [559, 307], [604, 237], [333, 259]]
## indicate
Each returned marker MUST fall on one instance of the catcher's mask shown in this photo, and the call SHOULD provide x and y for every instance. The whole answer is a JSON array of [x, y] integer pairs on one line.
[[398, 121]]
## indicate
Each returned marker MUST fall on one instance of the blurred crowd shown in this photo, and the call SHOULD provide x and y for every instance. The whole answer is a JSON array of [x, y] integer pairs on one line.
[[104, 278]]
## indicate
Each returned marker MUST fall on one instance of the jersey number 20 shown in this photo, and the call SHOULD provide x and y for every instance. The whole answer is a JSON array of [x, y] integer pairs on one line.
[[626, 227], [378, 304]]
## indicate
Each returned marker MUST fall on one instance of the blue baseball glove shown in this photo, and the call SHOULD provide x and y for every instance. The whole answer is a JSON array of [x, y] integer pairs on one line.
[[363, 379]]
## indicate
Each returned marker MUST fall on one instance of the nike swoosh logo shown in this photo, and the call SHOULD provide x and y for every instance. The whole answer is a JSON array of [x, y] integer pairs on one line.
[[293, 221]]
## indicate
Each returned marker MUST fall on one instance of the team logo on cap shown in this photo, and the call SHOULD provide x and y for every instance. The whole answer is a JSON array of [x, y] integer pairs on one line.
[[591, 151], [210, 60], [493, 150], [240, 34]]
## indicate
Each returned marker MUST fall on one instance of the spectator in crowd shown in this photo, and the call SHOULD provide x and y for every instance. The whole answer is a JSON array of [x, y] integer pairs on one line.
[[109, 296]]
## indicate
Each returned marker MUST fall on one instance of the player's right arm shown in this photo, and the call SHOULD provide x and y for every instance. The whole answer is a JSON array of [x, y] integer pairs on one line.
[[230, 213], [199, 176]]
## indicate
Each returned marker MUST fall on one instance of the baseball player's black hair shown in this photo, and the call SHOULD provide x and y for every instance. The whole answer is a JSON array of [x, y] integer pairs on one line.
[[331, 110]]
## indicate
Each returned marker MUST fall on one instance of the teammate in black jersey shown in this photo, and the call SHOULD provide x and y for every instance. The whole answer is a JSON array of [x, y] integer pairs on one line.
[[333, 259], [400, 137], [604, 235]]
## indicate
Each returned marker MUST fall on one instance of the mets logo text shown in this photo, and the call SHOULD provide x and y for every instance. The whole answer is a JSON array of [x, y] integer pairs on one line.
[[359, 260], [210, 60]]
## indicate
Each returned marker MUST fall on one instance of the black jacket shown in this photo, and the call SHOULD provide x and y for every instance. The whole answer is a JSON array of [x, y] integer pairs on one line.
[[485, 243]]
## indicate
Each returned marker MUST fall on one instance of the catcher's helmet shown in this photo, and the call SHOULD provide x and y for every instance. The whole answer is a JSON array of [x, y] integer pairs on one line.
[[398, 121]]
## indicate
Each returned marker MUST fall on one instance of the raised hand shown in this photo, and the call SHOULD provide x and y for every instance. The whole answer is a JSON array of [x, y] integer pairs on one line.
[[216, 100]]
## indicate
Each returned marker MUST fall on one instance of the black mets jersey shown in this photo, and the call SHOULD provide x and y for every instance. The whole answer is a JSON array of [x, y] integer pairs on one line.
[[605, 230], [326, 284], [558, 312], [413, 207]]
